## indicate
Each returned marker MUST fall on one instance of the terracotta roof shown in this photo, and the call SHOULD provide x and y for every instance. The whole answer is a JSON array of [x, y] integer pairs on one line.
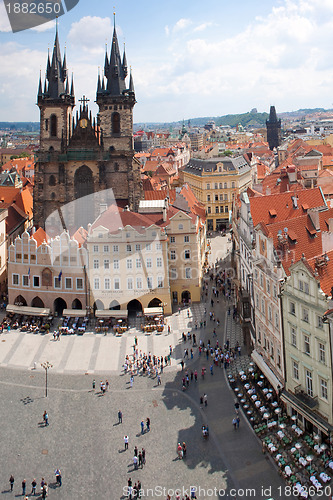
[[80, 236], [323, 272], [282, 203], [161, 195], [298, 240], [40, 236]]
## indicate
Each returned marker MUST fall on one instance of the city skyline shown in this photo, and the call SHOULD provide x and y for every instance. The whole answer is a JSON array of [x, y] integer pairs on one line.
[[187, 61]]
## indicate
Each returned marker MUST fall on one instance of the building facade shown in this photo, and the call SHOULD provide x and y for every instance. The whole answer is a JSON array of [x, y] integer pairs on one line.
[[216, 183], [81, 156]]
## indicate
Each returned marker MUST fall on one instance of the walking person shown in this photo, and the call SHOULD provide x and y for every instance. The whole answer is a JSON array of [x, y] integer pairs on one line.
[[24, 483], [234, 422], [148, 424], [94, 384], [11, 481], [237, 421], [126, 439], [142, 427], [143, 452], [33, 487], [180, 451], [120, 417], [205, 399], [159, 380], [46, 418], [184, 449], [131, 381]]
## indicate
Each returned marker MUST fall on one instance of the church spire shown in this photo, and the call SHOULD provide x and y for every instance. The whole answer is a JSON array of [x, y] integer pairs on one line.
[[40, 91], [124, 65], [72, 86], [114, 67], [56, 72], [272, 115], [131, 83]]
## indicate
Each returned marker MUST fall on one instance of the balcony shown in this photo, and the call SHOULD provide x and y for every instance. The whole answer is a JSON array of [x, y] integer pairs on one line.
[[309, 401], [77, 155]]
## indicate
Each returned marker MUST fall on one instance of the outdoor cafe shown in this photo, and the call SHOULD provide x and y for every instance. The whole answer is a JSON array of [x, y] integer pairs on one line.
[[115, 319], [153, 320]]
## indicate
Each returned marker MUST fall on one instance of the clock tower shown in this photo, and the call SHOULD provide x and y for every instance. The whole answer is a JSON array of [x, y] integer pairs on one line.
[[80, 155]]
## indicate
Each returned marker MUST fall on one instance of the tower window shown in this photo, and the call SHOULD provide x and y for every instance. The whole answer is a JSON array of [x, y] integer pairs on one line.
[[53, 126], [61, 173], [52, 180], [47, 124], [53, 196], [115, 123]]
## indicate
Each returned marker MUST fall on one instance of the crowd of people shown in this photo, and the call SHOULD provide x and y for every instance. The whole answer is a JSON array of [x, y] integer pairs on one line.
[[43, 485]]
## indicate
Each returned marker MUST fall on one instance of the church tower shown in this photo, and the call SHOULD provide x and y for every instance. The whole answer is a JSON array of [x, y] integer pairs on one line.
[[273, 126], [116, 101], [81, 156]]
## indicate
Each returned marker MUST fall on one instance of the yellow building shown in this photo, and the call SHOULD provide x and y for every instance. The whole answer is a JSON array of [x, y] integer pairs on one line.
[[216, 182]]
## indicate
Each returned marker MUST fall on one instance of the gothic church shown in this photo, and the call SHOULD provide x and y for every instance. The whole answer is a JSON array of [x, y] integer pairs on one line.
[[79, 155]]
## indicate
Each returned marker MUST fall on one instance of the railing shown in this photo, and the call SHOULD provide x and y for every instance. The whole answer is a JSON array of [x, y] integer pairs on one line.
[[310, 401], [81, 155]]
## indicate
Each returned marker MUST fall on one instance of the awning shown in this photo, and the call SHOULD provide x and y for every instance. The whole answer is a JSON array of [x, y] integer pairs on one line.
[[111, 313], [307, 413], [153, 311], [74, 313], [260, 362], [28, 311]]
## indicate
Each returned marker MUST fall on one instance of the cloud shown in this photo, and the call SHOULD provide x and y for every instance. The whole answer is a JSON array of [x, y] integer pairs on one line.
[[4, 21], [91, 34], [44, 27], [167, 30], [182, 24], [203, 26]]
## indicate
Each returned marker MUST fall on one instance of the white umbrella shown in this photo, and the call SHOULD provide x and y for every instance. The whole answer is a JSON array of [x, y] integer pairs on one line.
[[298, 445]]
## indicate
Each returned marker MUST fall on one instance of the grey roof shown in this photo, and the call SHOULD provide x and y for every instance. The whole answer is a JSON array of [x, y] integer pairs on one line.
[[196, 166]]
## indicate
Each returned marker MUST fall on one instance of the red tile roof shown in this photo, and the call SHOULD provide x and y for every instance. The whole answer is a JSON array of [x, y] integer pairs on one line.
[[282, 203]]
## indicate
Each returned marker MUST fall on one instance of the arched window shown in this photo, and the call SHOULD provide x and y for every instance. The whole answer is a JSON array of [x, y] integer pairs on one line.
[[46, 277], [52, 180], [53, 126], [115, 123]]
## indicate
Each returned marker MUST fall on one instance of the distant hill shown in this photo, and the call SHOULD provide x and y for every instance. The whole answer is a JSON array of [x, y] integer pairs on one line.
[[20, 126], [250, 119]]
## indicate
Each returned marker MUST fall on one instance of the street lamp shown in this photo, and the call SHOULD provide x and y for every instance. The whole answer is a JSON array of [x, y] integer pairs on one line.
[[46, 365]]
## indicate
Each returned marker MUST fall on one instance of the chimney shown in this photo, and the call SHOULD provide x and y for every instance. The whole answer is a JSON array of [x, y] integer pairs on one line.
[[164, 214], [314, 216]]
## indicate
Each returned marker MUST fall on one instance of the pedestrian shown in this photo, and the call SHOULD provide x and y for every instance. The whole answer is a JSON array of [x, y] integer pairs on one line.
[[94, 384], [24, 483], [142, 427], [136, 340], [33, 486], [184, 449], [182, 364], [148, 424], [44, 490], [180, 451], [205, 399], [135, 462], [46, 418], [237, 421], [140, 459], [195, 375], [11, 480], [211, 370], [234, 422], [107, 384], [126, 439], [120, 417], [143, 451], [159, 380], [131, 381]]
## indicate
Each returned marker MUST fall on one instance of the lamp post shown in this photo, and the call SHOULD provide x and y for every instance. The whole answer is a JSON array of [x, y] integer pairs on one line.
[[46, 365]]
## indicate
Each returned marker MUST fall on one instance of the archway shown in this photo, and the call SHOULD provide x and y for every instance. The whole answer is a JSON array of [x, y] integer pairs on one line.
[[155, 302], [83, 187], [98, 304], [20, 301], [76, 304], [186, 296], [37, 302], [134, 307], [114, 305], [59, 305], [83, 182]]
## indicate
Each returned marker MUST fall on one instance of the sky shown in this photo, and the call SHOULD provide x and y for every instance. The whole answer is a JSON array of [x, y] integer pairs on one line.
[[188, 58]]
